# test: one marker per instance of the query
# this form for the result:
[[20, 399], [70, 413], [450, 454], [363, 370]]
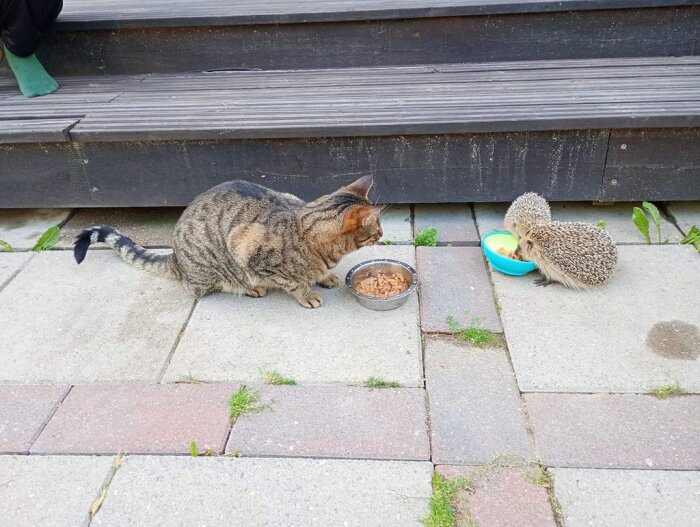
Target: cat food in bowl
[[382, 284], [500, 250]]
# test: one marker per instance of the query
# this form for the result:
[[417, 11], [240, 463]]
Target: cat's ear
[[361, 186], [356, 217]]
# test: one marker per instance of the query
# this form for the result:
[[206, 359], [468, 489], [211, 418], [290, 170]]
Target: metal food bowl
[[381, 265]]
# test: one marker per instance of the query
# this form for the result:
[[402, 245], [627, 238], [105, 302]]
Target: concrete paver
[[611, 498], [10, 263], [618, 219], [475, 409], [454, 222], [339, 422], [234, 338], [139, 419], [607, 339], [50, 491], [100, 321], [21, 228], [686, 213], [185, 491], [616, 431], [396, 224], [454, 282], [24, 409], [501, 497], [149, 227]]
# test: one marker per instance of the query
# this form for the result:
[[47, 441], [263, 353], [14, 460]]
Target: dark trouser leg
[[24, 22]]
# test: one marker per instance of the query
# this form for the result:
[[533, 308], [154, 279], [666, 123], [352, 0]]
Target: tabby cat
[[243, 238]]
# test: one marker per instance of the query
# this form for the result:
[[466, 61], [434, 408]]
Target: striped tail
[[159, 264]]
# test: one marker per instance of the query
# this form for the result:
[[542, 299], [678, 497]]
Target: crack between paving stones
[[49, 417], [104, 488], [165, 367], [12, 276]]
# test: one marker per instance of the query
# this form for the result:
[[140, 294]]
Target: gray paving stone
[[21, 228], [453, 221], [614, 498], [24, 409], [139, 419], [338, 422], [10, 263], [596, 341], [687, 214], [149, 227], [100, 321], [501, 497], [396, 224], [50, 491], [234, 338], [186, 491], [475, 410], [618, 218], [454, 282], [616, 431]]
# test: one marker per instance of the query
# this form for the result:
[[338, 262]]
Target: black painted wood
[[653, 164], [635, 32], [420, 169]]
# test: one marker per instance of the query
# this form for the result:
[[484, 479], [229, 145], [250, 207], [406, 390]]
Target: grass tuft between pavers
[[479, 337], [668, 391], [442, 507], [275, 378], [376, 382], [245, 401]]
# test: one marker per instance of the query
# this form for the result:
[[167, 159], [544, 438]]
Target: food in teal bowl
[[497, 242]]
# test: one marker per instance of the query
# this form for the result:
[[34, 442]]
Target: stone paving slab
[[234, 338], [396, 224], [603, 340], [616, 431], [502, 497], [454, 222], [338, 422], [10, 263], [100, 321], [687, 214], [618, 220], [475, 410], [149, 227], [21, 228], [454, 282], [50, 491], [613, 498], [186, 491], [139, 419], [24, 409]]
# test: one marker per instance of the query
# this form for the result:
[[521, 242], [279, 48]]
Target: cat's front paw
[[330, 281], [312, 300], [256, 292]]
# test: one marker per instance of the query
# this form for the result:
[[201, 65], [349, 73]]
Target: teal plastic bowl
[[504, 240]]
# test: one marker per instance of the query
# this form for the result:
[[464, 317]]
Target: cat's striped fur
[[244, 238]]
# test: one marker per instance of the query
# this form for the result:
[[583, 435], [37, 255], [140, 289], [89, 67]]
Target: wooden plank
[[35, 130], [653, 165], [444, 168], [104, 14], [664, 31]]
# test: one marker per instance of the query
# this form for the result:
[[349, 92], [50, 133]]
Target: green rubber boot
[[31, 75]]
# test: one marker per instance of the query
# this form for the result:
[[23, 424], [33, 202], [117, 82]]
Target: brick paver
[[21, 228], [454, 282], [340, 422], [100, 321], [475, 409], [50, 490], [266, 491], [454, 222], [139, 419], [9, 264], [613, 498], [24, 409], [234, 338], [623, 431], [396, 224], [501, 497], [598, 341]]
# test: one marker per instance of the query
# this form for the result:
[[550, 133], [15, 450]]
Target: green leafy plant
[[442, 507], [480, 337], [640, 219], [245, 401], [693, 237], [426, 238], [375, 382], [669, 390], [388, 242], [655, 216], [6, 246], [48, 239], [193, 449], [602, 224], [273, 377]]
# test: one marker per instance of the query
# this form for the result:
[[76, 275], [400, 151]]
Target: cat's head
[[347, 214]]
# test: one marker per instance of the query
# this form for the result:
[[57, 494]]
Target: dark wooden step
[[171, 36], [456, 132]]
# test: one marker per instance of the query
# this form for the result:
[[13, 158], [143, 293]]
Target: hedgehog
[[574, 254]]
